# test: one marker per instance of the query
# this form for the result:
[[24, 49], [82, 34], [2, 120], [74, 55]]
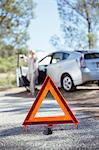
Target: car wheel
[[67, 83]]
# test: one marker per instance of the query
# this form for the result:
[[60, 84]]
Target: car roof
[[87, 51], [62, 51], [71, 52]]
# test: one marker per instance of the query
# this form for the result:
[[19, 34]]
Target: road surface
[[15, 104]]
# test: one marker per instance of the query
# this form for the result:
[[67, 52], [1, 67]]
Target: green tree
[[80, 21], [89, 10], [15, 17]]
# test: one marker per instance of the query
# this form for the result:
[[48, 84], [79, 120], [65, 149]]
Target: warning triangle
[[68, 116]]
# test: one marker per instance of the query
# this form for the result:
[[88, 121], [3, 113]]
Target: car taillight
[[82, 62]]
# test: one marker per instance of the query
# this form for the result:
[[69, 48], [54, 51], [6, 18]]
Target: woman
[[32, 70]]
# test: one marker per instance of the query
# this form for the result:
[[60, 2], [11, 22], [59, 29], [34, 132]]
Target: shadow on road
[[78, 90], [38, 129]]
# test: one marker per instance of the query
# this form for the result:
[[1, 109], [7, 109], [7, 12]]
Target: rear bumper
[[88, 75]]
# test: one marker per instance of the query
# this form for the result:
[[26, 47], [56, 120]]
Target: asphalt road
[[15, 104]]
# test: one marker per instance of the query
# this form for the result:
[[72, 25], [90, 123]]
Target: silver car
[[70, 68]]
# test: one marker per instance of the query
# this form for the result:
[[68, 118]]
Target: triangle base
[[49, 122]]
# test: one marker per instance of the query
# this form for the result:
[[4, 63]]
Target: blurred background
[[44, 25]]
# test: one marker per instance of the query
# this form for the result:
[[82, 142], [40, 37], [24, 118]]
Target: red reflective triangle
[[47, 86]]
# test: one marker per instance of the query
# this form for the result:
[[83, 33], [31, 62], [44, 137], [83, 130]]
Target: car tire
[[67, 83]]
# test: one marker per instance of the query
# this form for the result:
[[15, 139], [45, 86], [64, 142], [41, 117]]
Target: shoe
[[33, 94]]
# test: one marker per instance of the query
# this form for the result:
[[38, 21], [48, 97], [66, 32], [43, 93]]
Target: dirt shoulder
[[13, 90]]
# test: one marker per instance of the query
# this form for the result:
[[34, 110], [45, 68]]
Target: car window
[[65, 56], [91, 56], [45, 61], [57, 57]]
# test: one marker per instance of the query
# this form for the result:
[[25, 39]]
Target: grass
[[7, 64], [7, 80], [7, 72]]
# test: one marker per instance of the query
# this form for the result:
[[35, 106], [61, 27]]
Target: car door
[[42, 69], [53, 70]]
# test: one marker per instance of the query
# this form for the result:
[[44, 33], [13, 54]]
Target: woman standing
[[32, 70]]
